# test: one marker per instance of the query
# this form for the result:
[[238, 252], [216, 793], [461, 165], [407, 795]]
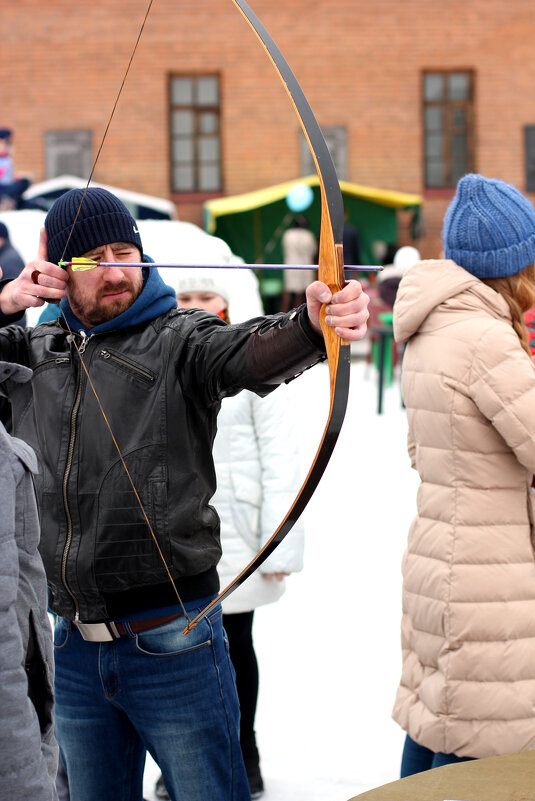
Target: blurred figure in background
[[389, 278], [529, 319], [11, 186], [351, 243], [11, 264], [257, 466], [299, 246]]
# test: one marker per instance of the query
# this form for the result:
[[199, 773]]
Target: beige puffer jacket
[[468, 629]]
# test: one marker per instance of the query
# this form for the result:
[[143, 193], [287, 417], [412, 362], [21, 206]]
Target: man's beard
[[93, 313]]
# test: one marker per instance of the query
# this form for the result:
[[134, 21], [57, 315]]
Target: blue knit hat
[[489, 228], [103, 219]]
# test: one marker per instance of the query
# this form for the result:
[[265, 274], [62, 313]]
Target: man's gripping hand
[[347, 310], [40, 281]]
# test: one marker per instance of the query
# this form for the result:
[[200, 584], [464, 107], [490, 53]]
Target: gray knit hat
[[200, 280], [489, 228], [103, 219]]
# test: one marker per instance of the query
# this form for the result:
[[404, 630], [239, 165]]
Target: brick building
[[410, 94]]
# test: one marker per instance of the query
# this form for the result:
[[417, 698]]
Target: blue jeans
[[160, 691], [417, 758]]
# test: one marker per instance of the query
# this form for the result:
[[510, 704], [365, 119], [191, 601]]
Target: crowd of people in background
[[140, 529]]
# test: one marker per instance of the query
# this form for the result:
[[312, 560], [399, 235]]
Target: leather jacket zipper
[[58, 360], [105, 354], [66, 474]]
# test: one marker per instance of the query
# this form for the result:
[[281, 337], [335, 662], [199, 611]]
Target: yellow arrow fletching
[[79, 263]]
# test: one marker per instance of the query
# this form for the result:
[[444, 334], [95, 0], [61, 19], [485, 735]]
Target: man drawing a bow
[[130, 541]]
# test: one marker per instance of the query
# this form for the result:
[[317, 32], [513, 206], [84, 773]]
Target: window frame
[[336, 140], [195, 193], [447, 129], [75, 145]]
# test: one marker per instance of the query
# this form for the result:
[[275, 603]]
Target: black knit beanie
[[103, 219]]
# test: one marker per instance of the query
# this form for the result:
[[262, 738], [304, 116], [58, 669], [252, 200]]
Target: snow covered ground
[[329, 651]]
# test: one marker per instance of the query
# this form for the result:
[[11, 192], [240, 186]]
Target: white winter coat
[[258, 476]]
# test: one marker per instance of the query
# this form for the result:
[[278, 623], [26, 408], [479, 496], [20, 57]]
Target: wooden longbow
[[331, 272]]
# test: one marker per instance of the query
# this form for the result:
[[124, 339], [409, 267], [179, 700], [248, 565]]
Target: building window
[[336, 140], [529, 153], [195, 134], [448, 112], [68, 153]]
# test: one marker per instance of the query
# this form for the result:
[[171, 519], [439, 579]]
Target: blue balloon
[[299, 197]]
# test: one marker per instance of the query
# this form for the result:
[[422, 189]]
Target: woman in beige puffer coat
[[468, 631]]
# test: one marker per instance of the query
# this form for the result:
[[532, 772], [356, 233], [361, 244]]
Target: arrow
[[80, 264]]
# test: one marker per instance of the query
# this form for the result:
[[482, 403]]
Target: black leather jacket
[[160, 384]]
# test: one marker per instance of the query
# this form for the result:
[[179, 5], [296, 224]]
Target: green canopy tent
[[252, 224]]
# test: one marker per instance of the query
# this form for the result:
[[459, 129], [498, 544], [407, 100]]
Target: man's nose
[[108, 254], [113, 275]]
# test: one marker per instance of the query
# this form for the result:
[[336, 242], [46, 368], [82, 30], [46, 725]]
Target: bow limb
[[331, 272]]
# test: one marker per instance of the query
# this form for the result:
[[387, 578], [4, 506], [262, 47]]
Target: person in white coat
[[257, 466]]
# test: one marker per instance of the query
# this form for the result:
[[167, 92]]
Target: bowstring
[[125, 76], [82, 362]]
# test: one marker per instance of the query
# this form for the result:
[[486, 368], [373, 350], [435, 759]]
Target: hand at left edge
[[346, 310], [275, 576]]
